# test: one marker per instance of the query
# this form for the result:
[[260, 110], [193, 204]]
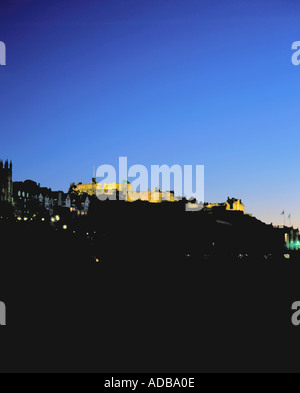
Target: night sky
[[161, 82]]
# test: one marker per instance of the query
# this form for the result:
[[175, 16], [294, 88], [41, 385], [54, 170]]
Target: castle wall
[[154, 196]]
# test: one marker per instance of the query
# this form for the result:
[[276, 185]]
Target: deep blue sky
[[160, 81]]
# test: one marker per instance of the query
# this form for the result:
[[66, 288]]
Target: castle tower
[[6, 184]]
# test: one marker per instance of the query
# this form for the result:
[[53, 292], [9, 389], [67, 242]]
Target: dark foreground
[[148, 305]]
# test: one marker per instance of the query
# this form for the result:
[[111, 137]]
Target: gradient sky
[[161, 82]]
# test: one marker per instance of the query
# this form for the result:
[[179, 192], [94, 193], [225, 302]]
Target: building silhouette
[[6, 184]]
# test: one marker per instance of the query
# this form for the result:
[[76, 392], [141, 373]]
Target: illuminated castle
[[231, 204], [125, 189], [154, 196], [6, 185]]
